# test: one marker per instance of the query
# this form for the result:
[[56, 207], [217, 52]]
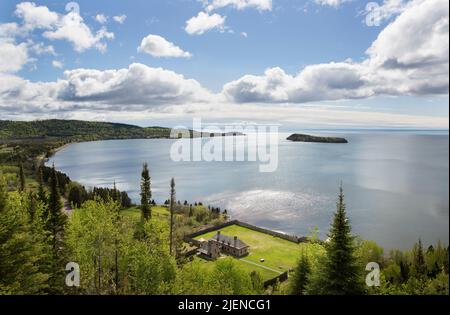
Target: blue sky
[[286, 37], [289, 35]]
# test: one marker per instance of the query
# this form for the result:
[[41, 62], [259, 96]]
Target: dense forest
[[77, 130]]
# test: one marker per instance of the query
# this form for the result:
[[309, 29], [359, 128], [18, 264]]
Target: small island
[[308, 138]]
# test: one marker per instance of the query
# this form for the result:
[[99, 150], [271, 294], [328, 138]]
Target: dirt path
[[67, 208]]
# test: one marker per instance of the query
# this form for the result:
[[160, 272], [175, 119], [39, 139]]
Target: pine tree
[[146, 193], [41, 190], [32, 205], [3, 193], [56, 221], [116, 194], [419, 265], [21, 177], [301, 276], [75, 194], [404, 270], [341, 275], [22, 252], [172, 205]]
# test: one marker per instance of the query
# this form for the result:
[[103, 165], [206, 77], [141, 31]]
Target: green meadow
[[279, 255]]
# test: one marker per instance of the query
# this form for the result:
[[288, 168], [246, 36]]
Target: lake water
[[396, 183]]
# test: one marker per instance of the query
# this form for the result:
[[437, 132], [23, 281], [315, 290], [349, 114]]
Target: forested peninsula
[[296, 137]]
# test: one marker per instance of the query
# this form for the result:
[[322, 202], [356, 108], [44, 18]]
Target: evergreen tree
[[3, 193], [125, 200], [341, 273], [76, 194], [21, 254], [404, 270], [446, 260], [41, 190], [56, 221], [146, 193], [419, 266], [301, 275], [32, 205], [172, 206], [21, 177], [116, 194]]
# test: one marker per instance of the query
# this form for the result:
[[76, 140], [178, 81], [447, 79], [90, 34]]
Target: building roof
[[230, 241]]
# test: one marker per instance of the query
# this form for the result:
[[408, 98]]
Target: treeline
[[77, 130], [77, 195], [45, 173], [198, 213]]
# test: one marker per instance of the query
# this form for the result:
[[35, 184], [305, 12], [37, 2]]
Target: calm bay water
[[396, 183]]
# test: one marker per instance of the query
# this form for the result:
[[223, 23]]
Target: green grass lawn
[[158, 211], [279, 255], [135, 212], [265, 274]]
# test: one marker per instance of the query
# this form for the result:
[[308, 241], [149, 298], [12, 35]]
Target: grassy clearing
[[135, 212], [265, 274], [279, 255]]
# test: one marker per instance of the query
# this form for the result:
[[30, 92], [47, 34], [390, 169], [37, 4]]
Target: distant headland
[[296, 137]]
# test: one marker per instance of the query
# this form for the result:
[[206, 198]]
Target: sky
[[296, 63]]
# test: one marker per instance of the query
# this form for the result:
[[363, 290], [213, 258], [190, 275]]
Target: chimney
[[235, 241], [218, 235]]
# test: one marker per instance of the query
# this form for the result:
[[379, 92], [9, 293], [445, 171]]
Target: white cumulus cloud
[[136, 85], [36, 16], [69, 27], [409, 57], [261, 5], [101, 18], [120, 18], [204, 22], [57, 64], [331, 3], [158, 46], [72, 28], [13, 57]]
